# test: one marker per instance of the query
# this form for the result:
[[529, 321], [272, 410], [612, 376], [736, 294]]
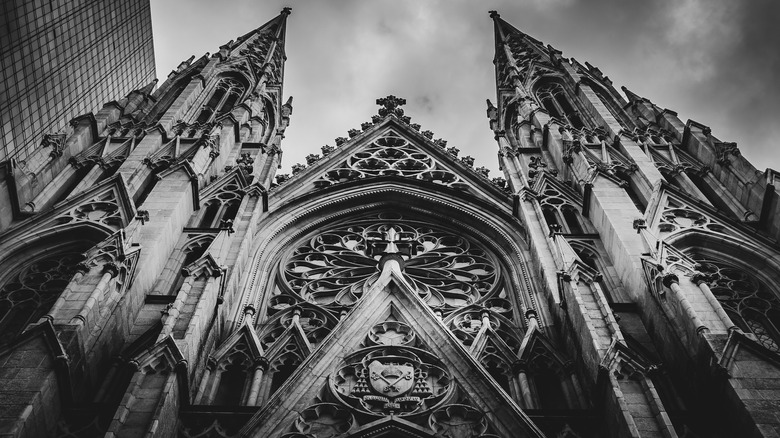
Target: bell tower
[[640, 226]]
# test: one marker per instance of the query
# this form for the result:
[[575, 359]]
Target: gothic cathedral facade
[[620, 279]]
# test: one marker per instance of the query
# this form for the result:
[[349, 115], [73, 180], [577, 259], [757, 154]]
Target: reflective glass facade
[[64, 58]]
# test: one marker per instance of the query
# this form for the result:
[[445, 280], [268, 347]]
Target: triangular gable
[[391, 148], [536, 343], [233, 177], [673, 211], [391, 289], [547, 182], [164, 358], [246, 335], [105, 207]]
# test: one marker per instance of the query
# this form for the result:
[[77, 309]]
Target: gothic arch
[[310, 213], [34, 274], [743, 277], [225, 91], [552, 95]]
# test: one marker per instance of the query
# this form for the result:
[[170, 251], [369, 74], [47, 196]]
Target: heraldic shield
[[391, 378], [382, 380]]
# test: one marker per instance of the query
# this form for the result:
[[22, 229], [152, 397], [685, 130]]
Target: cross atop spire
[[391, 105]]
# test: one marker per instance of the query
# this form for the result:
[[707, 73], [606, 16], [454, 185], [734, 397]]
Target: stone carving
[[747, 301], [323, 420], [33, 289], [678, 216], [57, 143], [391, 380], [391, 155], [327, 149], [391, 105], [335, 267], [460, 421]]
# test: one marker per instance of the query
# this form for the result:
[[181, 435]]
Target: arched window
[[748, 301], [33, 288], [227, 92], [555, 100]]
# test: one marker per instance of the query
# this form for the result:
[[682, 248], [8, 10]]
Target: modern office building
[[619, 279], [65, 58]]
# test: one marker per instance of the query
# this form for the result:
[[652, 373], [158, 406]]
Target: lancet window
[[220, 208], [555, 100], [559, 213], [748, 301], [226, 93], [31, 290]]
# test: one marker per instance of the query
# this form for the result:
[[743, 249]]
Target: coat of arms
[[391, 380]]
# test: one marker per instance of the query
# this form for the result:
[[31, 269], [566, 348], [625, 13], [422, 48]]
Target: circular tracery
[[337, 266], [392, 155]]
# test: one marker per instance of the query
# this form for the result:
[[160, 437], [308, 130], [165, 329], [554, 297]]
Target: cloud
[[713, 60]]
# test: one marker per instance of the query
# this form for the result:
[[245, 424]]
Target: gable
[[389, 148], [416, 381]]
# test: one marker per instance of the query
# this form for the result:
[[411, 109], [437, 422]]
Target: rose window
[[337, 266], [749, 303], [391, 155]]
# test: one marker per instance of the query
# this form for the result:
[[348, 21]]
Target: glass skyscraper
[[64, 58]]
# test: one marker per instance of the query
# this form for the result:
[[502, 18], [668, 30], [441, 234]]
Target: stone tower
[[160, 280], [655, 243]]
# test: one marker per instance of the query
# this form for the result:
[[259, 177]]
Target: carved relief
[[391, 155], [393, 380], [678, 216]]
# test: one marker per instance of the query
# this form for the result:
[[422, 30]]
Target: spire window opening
[[226, 93], [555, 101]]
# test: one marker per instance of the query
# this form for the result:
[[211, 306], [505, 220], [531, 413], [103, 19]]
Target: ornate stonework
[[158, 278]]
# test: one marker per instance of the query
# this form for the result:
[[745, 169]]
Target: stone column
[[701, 280], [519, 368], [110, 270], [204, 381], [671, 281], [254, 399], [81, 270]]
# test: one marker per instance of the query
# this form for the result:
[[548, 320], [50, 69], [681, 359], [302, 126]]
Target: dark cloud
[[712, 61]]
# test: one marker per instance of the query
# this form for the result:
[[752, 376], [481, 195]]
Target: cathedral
[[160, 278]]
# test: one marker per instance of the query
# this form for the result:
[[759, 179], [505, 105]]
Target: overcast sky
[[712, 61]]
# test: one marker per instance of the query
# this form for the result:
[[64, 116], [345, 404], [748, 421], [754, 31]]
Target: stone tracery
[[33, 289], [391, 155], [335, 267], [747, 300]]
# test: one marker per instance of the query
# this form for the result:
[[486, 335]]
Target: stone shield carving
[[385, 380]]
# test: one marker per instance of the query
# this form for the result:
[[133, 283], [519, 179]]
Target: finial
[[391, 105], [494, 14], [286, 10]]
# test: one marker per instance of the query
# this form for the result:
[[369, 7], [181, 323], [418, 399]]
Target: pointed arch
[[35, 270], [549, 380], [552, 96], [227, 91], [744, 278]]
